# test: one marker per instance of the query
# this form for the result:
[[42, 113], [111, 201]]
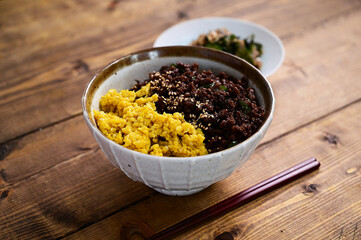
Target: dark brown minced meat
[[225, 108]]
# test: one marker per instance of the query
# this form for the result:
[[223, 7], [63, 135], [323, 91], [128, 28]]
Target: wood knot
[[4, 194], [225, 236], [6, 149], [132, 229], [112, 5], [182, 14], [80, 66], [311, 188], [331, 138]]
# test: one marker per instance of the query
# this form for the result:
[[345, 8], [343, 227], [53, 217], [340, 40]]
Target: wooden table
[[56, 183]]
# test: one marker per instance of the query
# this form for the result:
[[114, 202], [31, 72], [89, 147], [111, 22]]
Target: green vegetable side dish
[[224, 40]]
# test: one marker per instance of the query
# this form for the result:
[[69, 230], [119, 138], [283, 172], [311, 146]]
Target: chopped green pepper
[[232, 143], [223, 88], [180, 68], [208, 85], [244, 106]]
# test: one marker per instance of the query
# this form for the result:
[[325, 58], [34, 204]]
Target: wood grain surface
[[56, 183]]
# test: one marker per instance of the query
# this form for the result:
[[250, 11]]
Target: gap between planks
[[41, 128]]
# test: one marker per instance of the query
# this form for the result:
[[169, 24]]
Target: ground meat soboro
[[225, 108], [130, 119]]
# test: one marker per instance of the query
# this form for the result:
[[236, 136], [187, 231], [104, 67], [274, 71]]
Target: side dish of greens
[[224, 40]]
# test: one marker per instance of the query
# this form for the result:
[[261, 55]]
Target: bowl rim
[[113, 63]]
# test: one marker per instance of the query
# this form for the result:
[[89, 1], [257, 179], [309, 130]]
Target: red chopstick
[[241, 198]]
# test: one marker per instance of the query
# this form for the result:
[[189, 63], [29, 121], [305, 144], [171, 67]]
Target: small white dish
[[186, 32]]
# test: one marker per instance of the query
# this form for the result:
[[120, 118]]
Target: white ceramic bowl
[[185, 33], [175, 175]]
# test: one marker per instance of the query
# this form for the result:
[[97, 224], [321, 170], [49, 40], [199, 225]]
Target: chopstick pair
[[240, 198]]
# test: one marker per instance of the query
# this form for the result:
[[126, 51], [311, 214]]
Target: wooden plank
[[76, 20], [36, 152], [66, 197], [308, 208], [66, 49], [318, 75]]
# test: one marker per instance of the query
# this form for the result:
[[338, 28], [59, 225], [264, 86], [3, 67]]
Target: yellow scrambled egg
[[130, 119]]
